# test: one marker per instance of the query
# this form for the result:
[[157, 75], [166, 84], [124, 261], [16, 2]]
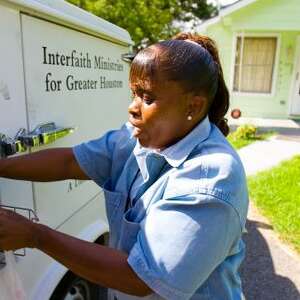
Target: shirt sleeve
[[96, 156], [181, 242]]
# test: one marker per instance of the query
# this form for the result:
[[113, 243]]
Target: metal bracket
[[26, 212], [43, 134], [128, 57]]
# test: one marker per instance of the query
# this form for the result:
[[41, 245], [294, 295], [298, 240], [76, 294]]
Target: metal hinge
[[43, 134], [128, 57]]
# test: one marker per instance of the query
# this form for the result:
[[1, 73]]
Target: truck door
[[72, 79], [13, 114]]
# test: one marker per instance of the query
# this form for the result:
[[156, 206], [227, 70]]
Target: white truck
[[61, 70]]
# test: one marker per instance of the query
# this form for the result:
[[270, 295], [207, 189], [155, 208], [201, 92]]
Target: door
[[12, 102], [295, 100], [72, 79]]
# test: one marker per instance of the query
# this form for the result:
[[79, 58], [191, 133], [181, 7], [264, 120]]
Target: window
[[254, 64]]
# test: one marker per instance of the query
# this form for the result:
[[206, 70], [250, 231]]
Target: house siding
[[265, 17], [268, 15]]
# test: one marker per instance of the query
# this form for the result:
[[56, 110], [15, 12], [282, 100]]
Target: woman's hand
[[99, 264], [16, 231]]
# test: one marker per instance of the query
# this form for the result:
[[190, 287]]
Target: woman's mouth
[[139, 130], [134, 122]]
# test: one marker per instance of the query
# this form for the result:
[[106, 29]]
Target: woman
[[175, 190]]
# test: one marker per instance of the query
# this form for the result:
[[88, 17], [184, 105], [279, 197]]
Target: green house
[[259, 44]]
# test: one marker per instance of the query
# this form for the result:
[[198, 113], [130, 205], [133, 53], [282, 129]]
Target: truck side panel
[[75, 80], [12, 100], [49, 72]]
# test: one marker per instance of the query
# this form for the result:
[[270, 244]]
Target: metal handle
[[128, 57], [9, 146], [53, 135], [43, 134]]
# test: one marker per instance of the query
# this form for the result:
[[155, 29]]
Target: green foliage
[[238, 143], [191, 9], [277, 194], [148, 21], [245, 135], [245, 132]]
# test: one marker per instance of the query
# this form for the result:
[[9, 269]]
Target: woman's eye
[[148, 100], [132, 95]]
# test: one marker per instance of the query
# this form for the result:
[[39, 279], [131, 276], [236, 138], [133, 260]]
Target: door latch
[[43, 134], [10, 146]]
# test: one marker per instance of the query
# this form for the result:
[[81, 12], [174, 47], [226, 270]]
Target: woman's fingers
[[15, 231]]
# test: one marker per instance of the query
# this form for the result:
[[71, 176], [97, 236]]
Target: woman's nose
[[134, 107]]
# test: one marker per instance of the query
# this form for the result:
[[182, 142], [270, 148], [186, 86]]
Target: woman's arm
[[46, 165], [102, 265]]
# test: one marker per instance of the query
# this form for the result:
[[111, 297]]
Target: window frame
[[296, 63], [276, 62]]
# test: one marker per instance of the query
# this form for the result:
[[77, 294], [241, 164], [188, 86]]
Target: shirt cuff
[[84, 163], [138, 263]]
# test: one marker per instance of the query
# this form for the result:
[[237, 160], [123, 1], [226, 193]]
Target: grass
[[276, 193], [238, 143]]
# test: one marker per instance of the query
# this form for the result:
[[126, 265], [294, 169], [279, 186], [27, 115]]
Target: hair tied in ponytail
[[217, 92]]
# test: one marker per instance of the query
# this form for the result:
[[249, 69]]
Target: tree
[[191, 9], [148, 21]]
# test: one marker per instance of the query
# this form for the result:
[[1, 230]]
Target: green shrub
[[245, 132]]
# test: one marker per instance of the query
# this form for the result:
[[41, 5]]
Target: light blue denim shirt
[[182, 229]]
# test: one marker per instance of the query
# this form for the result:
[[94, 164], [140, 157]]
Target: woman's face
[[159, 113]]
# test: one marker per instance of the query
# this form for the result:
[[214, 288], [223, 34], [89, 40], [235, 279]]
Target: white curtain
[[254, 64]]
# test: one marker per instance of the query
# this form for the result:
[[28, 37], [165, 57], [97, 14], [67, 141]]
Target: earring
[[189, 117]]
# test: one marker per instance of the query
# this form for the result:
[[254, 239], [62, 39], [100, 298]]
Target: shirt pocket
[[113, 201], [129, 232]]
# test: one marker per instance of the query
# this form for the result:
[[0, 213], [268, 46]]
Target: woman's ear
[[197, 105]]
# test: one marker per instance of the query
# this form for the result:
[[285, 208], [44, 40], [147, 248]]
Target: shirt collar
[[179, 152], [176, 154]]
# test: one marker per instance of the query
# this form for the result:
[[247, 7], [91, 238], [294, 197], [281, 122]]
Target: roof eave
[[224, 12]]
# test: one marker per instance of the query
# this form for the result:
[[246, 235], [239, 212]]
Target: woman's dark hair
[[196, 66]]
